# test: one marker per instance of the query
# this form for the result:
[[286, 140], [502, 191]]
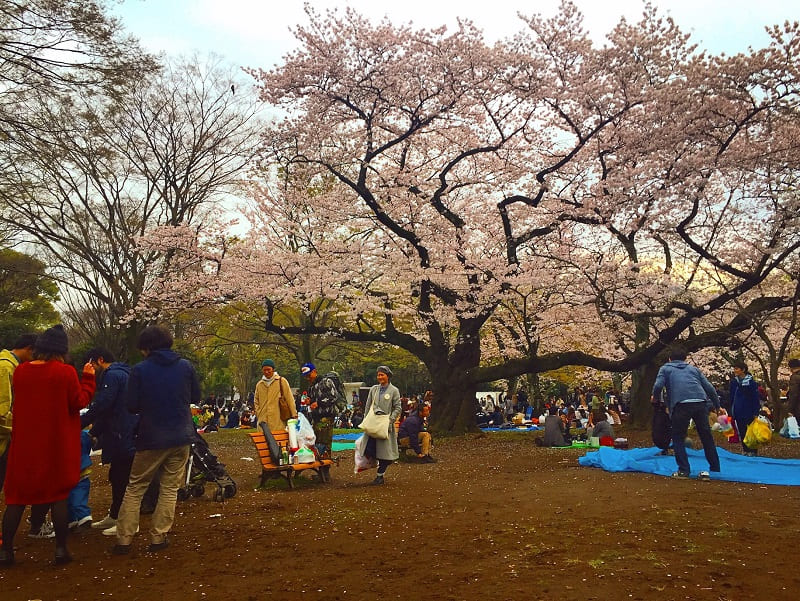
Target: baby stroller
[[203, 467]]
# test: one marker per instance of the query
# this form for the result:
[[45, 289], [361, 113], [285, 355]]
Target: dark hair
[[99, 351], [25, 341], [794, 363], [51, 344], [598, 416], [154, 338], [741, 365], [678, 353]]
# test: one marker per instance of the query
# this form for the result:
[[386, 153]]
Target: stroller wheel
[[230, 490], [198, 490], [183, 494]]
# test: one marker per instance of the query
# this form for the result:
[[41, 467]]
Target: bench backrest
[[280, 436]]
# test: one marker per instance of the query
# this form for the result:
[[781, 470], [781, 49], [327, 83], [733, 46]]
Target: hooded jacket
[[745, 400], [683, 382], [160, 390], [111, 421]]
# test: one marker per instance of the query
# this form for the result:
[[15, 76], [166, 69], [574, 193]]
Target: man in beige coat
[[268, 390]]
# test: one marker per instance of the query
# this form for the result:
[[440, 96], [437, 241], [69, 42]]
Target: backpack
[[662, 427], [341, 398]]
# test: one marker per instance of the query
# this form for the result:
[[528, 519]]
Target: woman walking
[[386, 399]]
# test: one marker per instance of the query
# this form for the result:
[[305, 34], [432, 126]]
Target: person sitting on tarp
[[412, 433], [555, 432], [601, 427], [495, 417], [233, 419]]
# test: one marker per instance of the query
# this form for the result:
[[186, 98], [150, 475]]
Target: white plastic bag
[[305, 433], [363, 463], [790, 428]]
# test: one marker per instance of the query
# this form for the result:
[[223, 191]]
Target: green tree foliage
[[26, 296]]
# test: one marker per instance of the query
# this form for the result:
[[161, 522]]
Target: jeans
[[78, 501], [682, 413], [118, 474], [170, 464]]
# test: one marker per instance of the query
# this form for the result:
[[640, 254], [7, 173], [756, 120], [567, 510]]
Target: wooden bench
[[270, 467]]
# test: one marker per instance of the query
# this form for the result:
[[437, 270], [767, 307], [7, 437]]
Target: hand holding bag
[[375, 425]]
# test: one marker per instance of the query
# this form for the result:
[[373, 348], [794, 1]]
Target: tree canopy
[[426, 182]]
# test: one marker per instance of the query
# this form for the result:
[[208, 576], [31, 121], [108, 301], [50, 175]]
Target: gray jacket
[[388, 402], [683, 382]]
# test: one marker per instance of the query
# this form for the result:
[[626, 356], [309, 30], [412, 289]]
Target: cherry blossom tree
[[424, 183]]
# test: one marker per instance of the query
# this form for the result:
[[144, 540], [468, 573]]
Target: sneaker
[[113, 531], [154, 547], [46, 531], [80, 524], [704, 476], [62, 556], [428, 459], [680, 475], [106, 522], [120, 549], [377, 481]]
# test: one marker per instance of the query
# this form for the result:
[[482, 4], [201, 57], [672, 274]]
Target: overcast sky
[[256, 33]]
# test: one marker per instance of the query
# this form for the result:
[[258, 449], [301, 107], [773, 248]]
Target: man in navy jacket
[[113, 425], [160, 390], [745, 402]]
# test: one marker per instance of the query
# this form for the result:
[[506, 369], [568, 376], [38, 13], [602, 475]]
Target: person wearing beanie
[[383, 398], [44, 459], [269, 391]]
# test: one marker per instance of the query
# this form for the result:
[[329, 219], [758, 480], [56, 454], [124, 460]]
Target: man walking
[[113, 425], [689, 396], [160, 390]]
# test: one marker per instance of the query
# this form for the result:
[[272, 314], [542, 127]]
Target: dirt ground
[[497, 518]]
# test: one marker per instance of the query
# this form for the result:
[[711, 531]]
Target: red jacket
[[44, 459]]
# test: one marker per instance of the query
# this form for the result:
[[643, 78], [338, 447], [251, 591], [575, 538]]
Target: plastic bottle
[[285, 457]]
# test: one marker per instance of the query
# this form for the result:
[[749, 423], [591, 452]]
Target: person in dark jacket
[[113, 426], [745, 402], [412, 433], [160, 390]]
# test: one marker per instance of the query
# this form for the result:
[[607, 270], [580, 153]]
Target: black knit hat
[[52, 341]]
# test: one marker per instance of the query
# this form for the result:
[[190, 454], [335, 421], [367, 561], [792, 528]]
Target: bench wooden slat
[[320, 467]]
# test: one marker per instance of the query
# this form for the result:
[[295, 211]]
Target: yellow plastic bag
[[758, 432]]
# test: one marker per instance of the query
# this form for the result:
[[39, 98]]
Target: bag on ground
[[790, 428]]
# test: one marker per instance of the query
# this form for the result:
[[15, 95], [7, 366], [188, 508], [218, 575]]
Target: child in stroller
[[203, 467]]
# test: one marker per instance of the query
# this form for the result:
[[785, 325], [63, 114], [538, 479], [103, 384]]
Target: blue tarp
[[512, 429], [733, 467], [347, 436]]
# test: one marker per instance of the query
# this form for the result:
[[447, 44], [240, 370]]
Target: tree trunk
[[641, 411], [454, 404]]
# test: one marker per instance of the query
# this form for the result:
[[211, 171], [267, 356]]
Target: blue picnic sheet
[[530, 428], [733, 467]]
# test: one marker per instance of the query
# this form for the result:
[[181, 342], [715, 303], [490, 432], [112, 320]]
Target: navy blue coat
[[745, 400], [160, 390], [112, 423]]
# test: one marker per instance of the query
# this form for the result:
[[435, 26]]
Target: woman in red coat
[[44, 456]]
